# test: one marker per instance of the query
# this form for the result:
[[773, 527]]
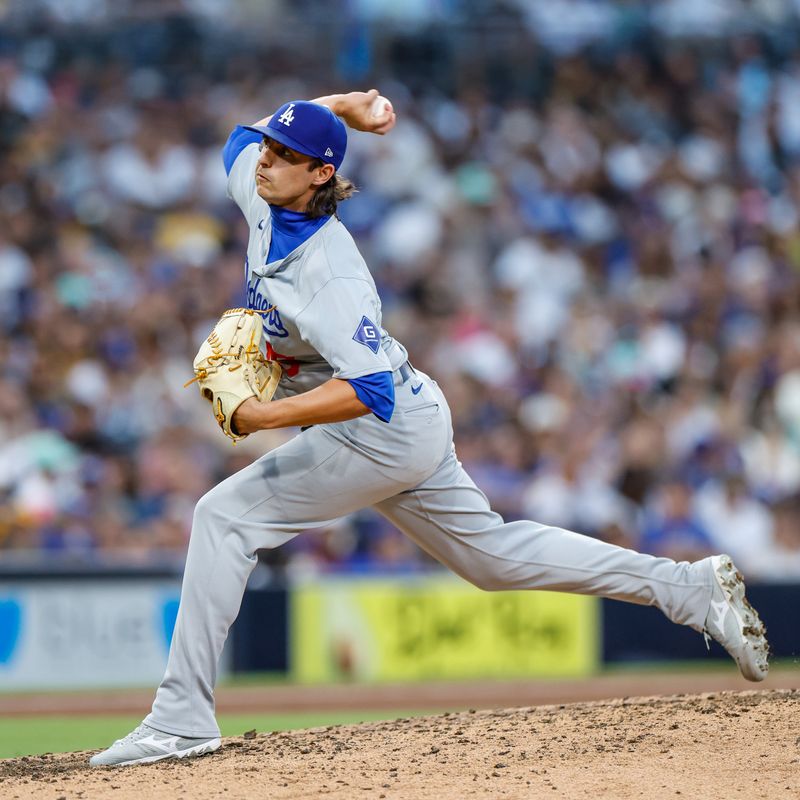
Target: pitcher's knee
[[221, 512], [213, 508]]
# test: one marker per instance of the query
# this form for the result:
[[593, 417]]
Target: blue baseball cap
[[309, 128]]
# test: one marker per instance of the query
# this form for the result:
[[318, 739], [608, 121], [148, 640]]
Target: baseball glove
[[230, 367]]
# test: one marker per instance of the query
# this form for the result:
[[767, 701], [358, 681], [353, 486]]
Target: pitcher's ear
[[324, 174]]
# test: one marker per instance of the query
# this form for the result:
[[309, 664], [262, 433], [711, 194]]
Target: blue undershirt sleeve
[[237, 141], [376, 392]]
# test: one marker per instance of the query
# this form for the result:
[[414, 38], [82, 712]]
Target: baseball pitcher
[[309, 351]]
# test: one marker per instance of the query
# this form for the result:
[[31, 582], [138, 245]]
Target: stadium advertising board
[[71, 635], [438, 628]]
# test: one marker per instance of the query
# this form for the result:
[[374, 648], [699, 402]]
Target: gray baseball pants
[[408, 471]]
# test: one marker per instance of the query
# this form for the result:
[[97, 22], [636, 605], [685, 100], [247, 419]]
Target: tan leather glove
[[230, 367]]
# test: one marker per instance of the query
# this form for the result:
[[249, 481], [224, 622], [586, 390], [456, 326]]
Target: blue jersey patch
[[367, 334]]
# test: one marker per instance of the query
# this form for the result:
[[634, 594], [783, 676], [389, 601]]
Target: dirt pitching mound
[[728, 744]]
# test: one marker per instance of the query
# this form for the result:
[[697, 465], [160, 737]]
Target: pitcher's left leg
[[449, 517]]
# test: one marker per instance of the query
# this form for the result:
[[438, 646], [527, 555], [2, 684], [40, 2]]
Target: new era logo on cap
[[329, 152]]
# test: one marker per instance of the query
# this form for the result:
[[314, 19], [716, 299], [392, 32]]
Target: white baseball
[[379, 105]]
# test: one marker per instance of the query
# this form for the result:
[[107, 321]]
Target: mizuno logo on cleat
[[720, 611], [165, 745]]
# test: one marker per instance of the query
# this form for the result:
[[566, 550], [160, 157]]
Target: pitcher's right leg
[[315, 478]]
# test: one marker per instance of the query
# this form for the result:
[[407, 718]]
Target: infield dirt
[[709, 746]]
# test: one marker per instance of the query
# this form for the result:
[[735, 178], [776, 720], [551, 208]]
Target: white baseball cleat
[[145, 745], [734, 623]]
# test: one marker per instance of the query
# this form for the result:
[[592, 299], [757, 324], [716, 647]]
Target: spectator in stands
[[598, 262], [671, 527]]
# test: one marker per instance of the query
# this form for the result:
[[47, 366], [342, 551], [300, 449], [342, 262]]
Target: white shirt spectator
[[771, 462], [738, 524], [578, 502], [546, 280], [630, 165], [693, 425], [663, 350], [155, 182]]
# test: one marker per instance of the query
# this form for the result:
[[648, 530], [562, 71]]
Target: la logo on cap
[[287, 118]]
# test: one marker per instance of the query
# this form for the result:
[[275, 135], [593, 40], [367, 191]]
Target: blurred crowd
[[595, 251]]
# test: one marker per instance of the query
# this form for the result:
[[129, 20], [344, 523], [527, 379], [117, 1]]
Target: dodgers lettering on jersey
[[327, 320], [257, 299]]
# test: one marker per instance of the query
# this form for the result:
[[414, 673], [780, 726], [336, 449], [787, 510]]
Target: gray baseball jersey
[[407, 470], [326, 317]]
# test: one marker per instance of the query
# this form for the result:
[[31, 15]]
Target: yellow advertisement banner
[[438, 628]]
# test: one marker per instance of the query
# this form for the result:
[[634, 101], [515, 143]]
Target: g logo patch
[[368, 334]]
